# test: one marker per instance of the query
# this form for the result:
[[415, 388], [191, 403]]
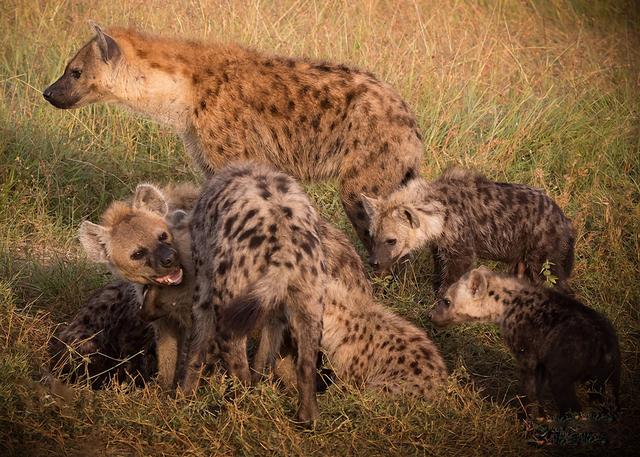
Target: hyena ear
[[409, 214], [176, 217], [478, 282], [370, 205], [95, 240], [149, 197], [109, 49]]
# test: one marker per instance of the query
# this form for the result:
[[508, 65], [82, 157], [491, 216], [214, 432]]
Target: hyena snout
[[440, 314], [166, 256], [374, 262], [58, 95]]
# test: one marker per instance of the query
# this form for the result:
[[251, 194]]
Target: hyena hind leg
[[269, 347], [306, 328]]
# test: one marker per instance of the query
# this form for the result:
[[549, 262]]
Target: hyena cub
[[557, 340], [370, 346], [258, 260], [463, 215], [107, 332], [365, 343], [144, 242], [313, 120]]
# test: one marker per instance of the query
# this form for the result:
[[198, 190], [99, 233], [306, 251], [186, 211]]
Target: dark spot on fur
[[408, 176], [256, 241]]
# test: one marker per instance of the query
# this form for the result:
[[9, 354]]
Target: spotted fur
[[108, 334], [463, 216], [557, 341]]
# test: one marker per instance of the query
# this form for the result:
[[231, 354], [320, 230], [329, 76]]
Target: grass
[[541, 91]]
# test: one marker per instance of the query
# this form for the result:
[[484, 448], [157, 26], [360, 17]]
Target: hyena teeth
[[172, 279]]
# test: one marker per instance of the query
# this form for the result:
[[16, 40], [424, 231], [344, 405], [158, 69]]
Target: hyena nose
[[168, 259], [47, 94], [374, 262]]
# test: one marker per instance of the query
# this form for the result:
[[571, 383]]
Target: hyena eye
[[391, 241], [76, 73], [446, 302], [163, 236], [137, 255]]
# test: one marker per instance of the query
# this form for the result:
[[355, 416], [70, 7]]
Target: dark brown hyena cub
[[109, 335], [258, 260], [557, 340], [463, 215]]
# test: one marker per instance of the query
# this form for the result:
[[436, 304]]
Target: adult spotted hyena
[[463, 215], [109, 335], [556, 340], [258, 260], [313, 120], [141, 241]]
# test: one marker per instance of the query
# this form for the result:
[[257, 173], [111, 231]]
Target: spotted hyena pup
[[108, 333], [313, 120], [258, 263], [463, 215], [557, 340], [142, 241], [370, 346]]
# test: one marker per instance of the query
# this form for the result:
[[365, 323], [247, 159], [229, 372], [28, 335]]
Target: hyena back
[[463, 215], [313, 120], [258, 260], [557, 341]]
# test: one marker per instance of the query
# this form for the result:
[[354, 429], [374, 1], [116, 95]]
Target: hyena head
[[135, 239], [397, 229], [467, 300], [88, 77]]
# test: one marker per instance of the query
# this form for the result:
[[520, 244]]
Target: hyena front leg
[[201, 338], [167, 347], [375, 177], [306, 328], [454, 265]]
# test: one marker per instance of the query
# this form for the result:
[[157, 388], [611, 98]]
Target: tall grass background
[[544, 92]]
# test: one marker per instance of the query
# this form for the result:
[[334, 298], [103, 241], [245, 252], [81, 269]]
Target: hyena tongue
[[172, 279]]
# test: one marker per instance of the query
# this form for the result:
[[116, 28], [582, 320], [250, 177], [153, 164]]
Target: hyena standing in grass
[[557, 340], [258, 260], [313, 120], [141, 241], [463, 215]]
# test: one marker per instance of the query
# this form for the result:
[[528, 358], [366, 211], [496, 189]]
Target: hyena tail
[[245, 312]]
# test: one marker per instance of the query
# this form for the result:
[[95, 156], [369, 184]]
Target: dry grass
[[539, 91]]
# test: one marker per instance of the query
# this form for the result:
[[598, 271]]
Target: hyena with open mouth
[[141, 242]]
